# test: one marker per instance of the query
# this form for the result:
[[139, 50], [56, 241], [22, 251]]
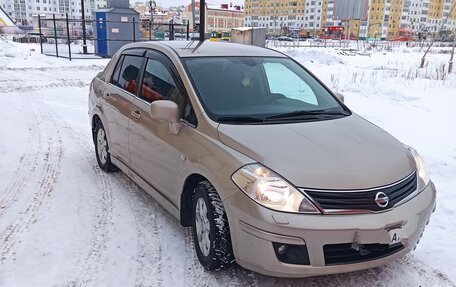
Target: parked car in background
[[180, 35], [266, 164], [31, 37], [285, 38]]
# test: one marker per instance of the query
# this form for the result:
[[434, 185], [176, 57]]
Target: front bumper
[[255, 228]]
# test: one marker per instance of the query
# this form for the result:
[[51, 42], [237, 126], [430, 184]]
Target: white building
[[417, 16], [22, 11]]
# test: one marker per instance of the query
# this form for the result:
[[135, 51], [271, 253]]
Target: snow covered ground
[[63, 222]]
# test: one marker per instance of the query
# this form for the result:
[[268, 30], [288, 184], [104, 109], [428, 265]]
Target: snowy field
[[63, 222]]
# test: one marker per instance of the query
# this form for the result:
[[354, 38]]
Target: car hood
[[345, 153]]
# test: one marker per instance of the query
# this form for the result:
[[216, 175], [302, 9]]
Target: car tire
[[102, 148], [211, 232]]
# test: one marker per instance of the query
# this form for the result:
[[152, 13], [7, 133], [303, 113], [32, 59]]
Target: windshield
[[260, 89]]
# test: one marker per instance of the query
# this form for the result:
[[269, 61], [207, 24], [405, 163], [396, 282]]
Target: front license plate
[[394, 235]]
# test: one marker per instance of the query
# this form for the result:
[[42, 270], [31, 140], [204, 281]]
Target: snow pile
[[12, 50], [312, 56]]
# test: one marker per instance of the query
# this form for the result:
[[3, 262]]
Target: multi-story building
[[418, 14], [22, 11], [188, 14], [399, 19], [221, 18], [388, 19], [439, 11], [286, 17]]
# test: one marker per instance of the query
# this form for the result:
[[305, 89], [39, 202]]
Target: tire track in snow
[[59, 83], [92, 262], [192, 271], [28, 161], [150, 242], [45, 187], [62, 78], [150, 239]]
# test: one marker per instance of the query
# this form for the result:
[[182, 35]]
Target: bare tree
[[450, 65], [435, 38]]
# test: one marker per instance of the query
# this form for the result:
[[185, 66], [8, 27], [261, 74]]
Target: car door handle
[[106, 96], [135, 114]]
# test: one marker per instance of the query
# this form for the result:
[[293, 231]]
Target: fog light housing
[[291, 254]]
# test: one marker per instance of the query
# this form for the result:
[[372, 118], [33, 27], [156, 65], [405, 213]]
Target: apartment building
[[286, 17], [438, 12], [386, 19], [22, 11], [188, 14], [418, 14]]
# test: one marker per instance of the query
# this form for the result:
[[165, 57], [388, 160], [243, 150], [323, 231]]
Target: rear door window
[[115, 75], [129, 73]]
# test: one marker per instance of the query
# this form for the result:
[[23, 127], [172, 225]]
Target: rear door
[[119, 97]]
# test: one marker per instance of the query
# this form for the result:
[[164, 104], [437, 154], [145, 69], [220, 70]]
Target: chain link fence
[[75, 38]]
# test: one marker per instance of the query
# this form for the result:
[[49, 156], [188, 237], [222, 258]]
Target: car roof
[[185, 49]]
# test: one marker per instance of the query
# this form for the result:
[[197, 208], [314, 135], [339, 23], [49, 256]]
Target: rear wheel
[[211, 232], [102, 148]]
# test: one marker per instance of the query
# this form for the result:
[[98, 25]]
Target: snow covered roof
[[234, 8], [247, 28]]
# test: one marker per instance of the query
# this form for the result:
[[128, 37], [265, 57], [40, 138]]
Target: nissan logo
[[381, 199]]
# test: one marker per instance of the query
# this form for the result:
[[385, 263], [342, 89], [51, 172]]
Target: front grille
[[336, 254], [363, 200]]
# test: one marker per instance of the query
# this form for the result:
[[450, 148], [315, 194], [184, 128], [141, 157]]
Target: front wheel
[[211, 232]]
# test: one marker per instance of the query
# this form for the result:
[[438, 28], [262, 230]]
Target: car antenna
[[202, 27]]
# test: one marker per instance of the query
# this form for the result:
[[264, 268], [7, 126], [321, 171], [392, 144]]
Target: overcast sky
[[168, 3]]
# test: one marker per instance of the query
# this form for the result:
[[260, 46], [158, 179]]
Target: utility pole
[[193, 16], [450, 65], [84, 43], [202, 28], [152, 10]]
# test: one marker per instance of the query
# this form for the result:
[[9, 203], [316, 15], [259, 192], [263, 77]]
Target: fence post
[[171, 30], [188, 30], [55, 36], [41, 39], [134, 30], [68, 35]]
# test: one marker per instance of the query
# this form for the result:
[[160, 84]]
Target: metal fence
[[75, 38], [376, 45]]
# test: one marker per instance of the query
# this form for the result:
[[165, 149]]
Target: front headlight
[[270, 190], [421, 168]]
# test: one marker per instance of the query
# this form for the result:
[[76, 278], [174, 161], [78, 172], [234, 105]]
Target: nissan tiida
[[264, 162]]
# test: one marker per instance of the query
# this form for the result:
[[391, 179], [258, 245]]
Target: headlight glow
[[270, 190], [421, 169]]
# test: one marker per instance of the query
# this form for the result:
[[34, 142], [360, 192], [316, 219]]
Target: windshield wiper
[[308, 113], [239, 119]]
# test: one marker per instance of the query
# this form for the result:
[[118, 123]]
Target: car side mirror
[[340, 97], [166, 111]]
